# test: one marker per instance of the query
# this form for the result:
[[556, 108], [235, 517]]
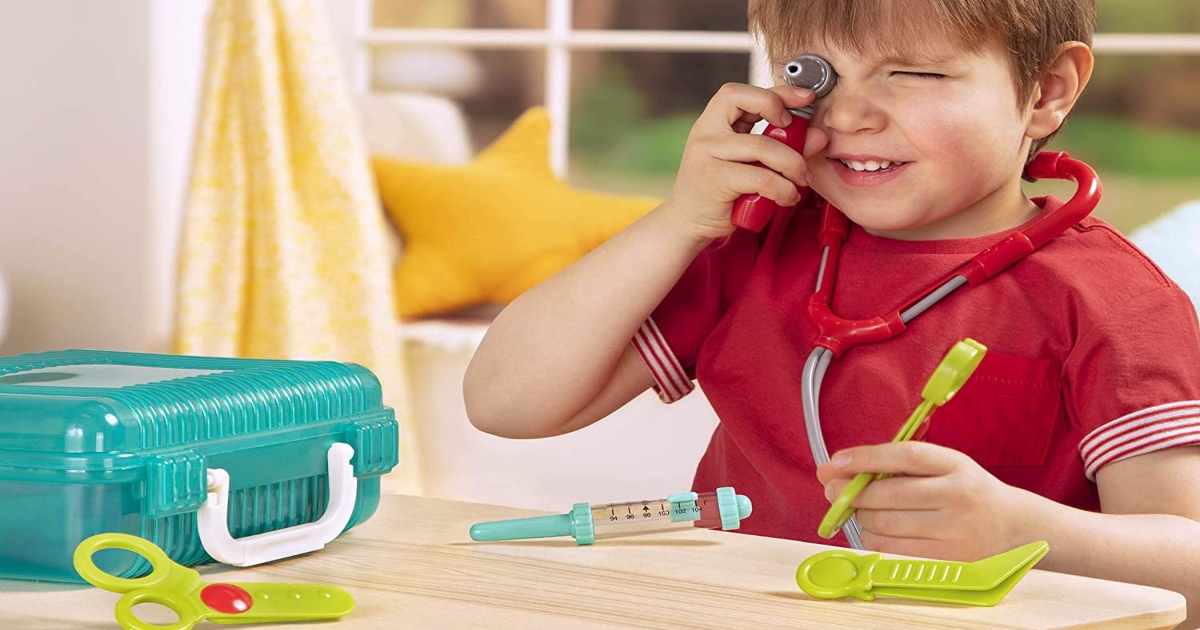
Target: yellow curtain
[[284, 251]]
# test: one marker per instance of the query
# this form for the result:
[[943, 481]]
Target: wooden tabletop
[[413, 566]]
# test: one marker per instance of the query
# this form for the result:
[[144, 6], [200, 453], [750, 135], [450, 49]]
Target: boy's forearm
[[1160, 550], [552, 349]]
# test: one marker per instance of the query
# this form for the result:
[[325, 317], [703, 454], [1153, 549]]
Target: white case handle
[[213, 519]]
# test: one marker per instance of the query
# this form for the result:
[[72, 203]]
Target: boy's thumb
[[814, 142]]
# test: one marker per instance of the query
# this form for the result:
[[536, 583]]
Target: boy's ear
[[1059, 88]]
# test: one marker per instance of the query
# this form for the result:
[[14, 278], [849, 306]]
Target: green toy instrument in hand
[[951, 374], [193, 600]]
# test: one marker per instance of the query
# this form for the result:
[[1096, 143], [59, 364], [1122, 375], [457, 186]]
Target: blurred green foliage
[[604, 110], [1118, 145], [1148, 16]]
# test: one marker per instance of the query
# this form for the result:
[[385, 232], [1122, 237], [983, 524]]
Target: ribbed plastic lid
[[86, 401]]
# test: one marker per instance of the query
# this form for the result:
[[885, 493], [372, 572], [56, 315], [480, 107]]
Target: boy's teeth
[[869, 165]]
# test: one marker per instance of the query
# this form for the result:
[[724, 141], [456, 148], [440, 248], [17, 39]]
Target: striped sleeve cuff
[[671, 380], [1142, 432]]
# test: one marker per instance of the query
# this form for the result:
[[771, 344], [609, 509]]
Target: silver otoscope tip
[[812, 72]]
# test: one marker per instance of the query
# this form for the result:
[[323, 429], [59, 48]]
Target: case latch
[[175, 484], [375, 443]]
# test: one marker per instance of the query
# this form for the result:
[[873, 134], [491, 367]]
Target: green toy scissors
[[193, 600]]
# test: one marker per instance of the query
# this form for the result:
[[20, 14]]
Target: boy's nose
[[847, 110]]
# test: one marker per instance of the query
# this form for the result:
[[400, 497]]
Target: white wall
[[177, 33], [73, 171]]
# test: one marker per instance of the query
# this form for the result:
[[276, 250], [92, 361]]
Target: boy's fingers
[[747, 149], [739, 104], [814, 142], [834, 488], [826, 473], [903, 493], [916, 547], [745, 179], [898, 458], [793, 96], [902, 523], [895, 493]]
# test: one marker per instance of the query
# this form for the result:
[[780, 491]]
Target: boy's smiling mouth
[[871, 165], [864, 171]]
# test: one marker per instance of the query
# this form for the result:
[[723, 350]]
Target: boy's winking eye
[[919, 75], [932, 62]]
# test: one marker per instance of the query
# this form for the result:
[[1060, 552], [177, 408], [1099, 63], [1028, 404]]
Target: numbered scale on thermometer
[[586, 523]]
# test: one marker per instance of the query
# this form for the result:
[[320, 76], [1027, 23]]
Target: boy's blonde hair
[[1030, 30]]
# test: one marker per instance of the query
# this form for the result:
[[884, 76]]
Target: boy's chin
[[892, 221]]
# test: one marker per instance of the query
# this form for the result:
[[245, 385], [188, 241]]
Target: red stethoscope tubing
[[839, 334], [836, 334], [752, 212]]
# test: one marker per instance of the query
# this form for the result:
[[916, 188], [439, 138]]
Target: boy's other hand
[[940, 505], [718, 160]]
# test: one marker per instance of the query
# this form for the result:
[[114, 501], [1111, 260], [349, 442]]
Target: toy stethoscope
[[836, 335]]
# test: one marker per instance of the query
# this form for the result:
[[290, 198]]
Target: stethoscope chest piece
[[812, 72]]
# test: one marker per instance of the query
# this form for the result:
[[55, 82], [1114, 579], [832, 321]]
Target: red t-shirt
[[1093, 356]]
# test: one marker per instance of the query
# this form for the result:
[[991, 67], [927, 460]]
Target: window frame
[[559, 39]]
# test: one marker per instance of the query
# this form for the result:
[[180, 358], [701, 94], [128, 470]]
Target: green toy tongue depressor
[[841, 572], [954, 370]]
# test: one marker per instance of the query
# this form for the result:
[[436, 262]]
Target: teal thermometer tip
[[515, 529]]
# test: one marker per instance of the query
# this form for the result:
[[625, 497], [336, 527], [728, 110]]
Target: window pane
[[492, 87], [1145, 149], [459, 14], [631, 113], [1139, 16], [660, 15]]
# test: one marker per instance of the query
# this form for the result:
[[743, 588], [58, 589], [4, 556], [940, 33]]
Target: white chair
[[646, 449], [1173, 243]]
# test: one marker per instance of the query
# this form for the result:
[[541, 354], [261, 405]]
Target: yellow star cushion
[[487, 231]]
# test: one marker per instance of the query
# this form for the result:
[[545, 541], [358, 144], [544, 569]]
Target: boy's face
[[927, 146]]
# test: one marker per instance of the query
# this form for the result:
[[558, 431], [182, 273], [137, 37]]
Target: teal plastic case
[[94, 442]]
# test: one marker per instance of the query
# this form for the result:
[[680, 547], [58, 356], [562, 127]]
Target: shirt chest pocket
[[1005, 414]]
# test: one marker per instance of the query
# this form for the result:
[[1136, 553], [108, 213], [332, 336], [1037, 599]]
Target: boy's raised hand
[[718, 160], [940, 505]]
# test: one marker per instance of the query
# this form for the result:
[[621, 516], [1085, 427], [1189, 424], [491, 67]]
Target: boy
[[1082, 425]]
